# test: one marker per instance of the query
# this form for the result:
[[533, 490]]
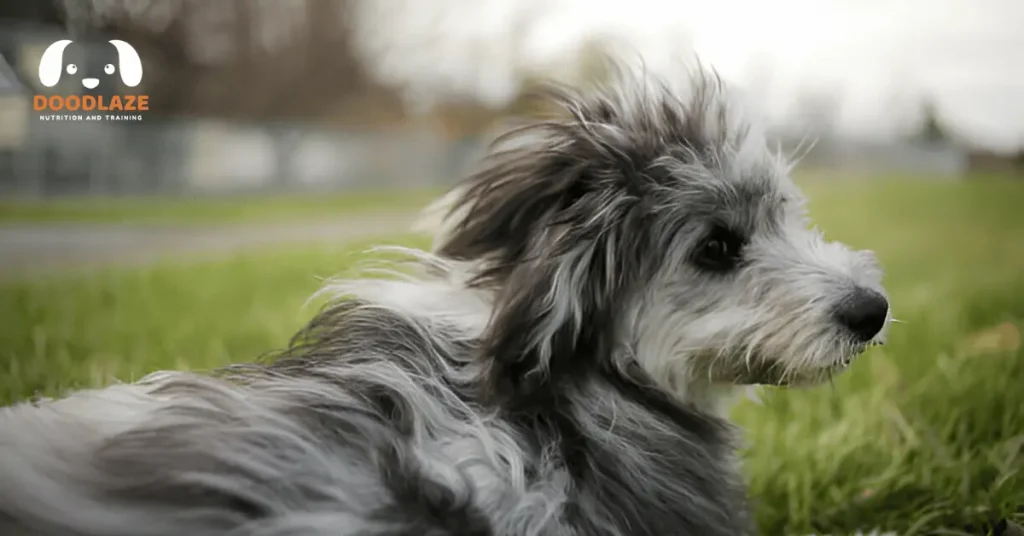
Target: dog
[[560, 363]]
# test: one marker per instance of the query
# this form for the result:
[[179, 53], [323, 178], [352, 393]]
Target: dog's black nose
[[863, 313]]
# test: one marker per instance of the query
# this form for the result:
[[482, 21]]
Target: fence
[[211, 157], [865, 158], [201, 157]]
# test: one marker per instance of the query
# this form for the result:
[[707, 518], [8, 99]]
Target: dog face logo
[[83, 79], [52, 66]]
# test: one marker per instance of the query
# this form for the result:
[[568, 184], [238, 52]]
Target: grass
[[83, 330], [208, 210], [926, 433], [921, 436]]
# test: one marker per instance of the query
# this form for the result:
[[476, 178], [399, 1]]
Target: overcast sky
[[882, 55]]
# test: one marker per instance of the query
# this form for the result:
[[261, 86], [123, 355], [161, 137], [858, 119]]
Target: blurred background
[[284, 136], [299, 95]]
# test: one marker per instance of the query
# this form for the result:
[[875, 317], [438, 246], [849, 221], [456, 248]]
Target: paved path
[[28, 249]]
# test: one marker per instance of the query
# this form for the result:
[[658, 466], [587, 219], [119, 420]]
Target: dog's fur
[[557, 366]]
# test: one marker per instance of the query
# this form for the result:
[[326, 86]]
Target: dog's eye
[[108, 68], [720, 251], [72, 69]]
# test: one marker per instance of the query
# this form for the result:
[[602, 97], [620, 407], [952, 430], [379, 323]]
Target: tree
[[270, 59], [33, 10], [932, 129]]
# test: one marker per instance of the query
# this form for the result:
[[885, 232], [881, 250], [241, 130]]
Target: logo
[[100, 99]]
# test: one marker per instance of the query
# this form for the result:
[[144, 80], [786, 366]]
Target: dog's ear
[[543, 223], [552, 315], [506, 208], [52, 63], [130, 65], [539, 179]]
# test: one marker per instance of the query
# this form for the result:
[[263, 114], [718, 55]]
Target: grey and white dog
[[559, 365]]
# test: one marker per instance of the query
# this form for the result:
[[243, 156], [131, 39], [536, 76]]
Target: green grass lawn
[[922, 435], [207, 210]]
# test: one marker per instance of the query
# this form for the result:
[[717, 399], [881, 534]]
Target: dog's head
[[119, 58], [647, 229]]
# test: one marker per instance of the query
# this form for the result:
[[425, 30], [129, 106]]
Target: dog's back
[[350, 431], [335, 437], [370, 424]]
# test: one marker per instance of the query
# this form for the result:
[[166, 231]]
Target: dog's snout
[[863, 313]]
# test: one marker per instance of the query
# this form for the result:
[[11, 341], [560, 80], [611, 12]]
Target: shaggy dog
[[559, 365]]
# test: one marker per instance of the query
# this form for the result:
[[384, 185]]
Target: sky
[[880, 57]]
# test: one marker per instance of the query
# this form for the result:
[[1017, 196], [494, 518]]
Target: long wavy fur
[[491, 387]]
